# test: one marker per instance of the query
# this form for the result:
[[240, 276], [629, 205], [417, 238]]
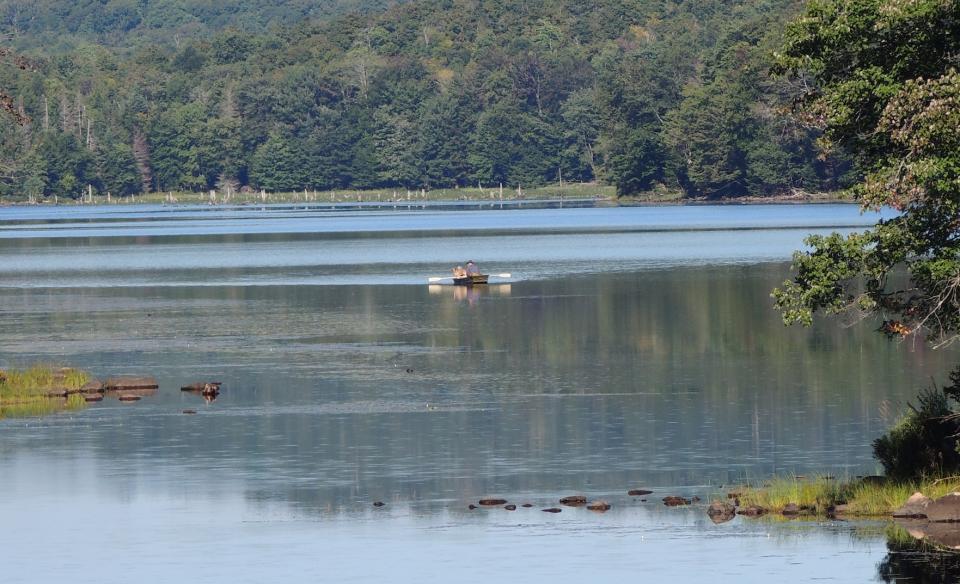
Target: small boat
[[474, 280]]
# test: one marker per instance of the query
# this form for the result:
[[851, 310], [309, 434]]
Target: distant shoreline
[[573, 193]]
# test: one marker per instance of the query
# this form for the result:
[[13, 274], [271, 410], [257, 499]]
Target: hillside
[[58, 25], [643, 94]]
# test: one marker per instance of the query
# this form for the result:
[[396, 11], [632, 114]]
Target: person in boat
[[472, 269], [459, 272]]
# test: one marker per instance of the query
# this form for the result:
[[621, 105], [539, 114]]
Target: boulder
[[675, 501], [752, 511], [599, 506], [574, 501], [639, 492], [492, 502], [915, 507], [946, 509], [721, 511], [790, 510]]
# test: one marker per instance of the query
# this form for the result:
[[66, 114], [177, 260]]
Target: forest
[[651, 96]]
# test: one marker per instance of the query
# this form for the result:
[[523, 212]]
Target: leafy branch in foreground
[[889, 91]]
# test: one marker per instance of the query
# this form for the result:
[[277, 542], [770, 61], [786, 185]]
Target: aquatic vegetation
[[24, 392], [871, 496]]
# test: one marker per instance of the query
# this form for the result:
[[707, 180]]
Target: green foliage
[[887, 90], [428, 94], [923, 442]]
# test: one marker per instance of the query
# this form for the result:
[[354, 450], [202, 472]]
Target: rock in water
[[574, 501], [378, 504], [492, 502], [752, 511], [599, 506], [511, 507], [93, 398], [128, 398], [790, 509], [126, 382], [915, 507], [946, 509], [639, 492], [675, 501], [92, 386], [552, 510], [720, 511]]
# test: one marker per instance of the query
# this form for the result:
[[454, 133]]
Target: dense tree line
[[642, 94]]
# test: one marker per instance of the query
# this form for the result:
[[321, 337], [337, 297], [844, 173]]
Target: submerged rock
[[916, 506], [675, 501], [378, 503], [552, 510], [511, 507], [639, 492], [189, 412], [471, 506], [599, 506], [574, 501], [492, 502], [527, 505], [93, 398], [128, 398], [946, 509]]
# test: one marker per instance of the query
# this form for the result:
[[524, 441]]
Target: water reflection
[[924, 553]]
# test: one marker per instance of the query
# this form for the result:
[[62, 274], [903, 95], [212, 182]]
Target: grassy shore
[[23, 392], [861, 497], [487, 194]]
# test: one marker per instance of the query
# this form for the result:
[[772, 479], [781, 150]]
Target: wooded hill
[[643, 94]]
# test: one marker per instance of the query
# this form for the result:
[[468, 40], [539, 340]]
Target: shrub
[[924, 441]]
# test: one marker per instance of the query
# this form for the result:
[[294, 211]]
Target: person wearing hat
[[472, 269]]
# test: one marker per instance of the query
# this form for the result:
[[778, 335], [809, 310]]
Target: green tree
[[887, 88]]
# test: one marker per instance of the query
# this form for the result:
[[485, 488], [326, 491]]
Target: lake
[[629, 348]]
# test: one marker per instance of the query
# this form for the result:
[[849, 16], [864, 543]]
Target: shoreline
[[600, 195]]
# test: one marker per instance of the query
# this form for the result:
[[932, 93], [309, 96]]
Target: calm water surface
[[629, 348]]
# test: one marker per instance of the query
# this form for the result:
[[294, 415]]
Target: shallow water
[[629, 348]]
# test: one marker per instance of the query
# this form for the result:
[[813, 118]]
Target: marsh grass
[[23, 392], [37, 380], [861, 497]]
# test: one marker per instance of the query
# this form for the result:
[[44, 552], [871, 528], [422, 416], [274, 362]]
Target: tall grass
[[23, 392], [37, 380], [860, 497]]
